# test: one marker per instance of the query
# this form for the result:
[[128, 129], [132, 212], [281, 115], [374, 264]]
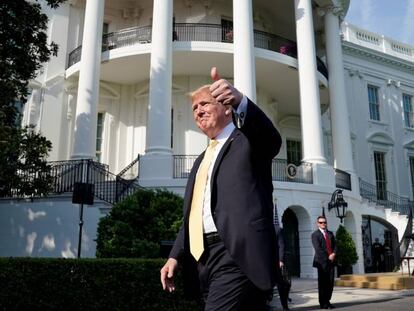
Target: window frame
[[408, 113], [411, 172], [374, 107], [298, 151], [99, 136], [380, 183]]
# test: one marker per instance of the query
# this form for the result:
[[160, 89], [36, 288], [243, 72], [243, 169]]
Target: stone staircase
[[391, 280]]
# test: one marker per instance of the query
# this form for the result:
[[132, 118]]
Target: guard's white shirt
[[208, 221]]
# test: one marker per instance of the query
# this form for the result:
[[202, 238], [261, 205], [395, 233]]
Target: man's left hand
[[223, 91]]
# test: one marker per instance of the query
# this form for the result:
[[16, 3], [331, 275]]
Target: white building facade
[[341, 98]]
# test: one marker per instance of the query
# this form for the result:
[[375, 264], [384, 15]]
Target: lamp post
[[338, 202]]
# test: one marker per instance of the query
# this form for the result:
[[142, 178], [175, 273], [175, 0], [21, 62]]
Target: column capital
[[336, 10], [355, 72], [395, 83]]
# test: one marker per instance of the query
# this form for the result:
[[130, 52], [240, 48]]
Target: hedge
[[87, 284]]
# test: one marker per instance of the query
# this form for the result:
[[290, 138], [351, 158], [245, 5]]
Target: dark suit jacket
[[241, 201], [321, 254]]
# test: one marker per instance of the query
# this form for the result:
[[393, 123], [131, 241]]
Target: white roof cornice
[[355, 49]]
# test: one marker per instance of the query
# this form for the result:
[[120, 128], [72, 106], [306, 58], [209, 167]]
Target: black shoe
[[327, 306], [286, 309]]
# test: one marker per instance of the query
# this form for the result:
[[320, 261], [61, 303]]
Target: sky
[[391, 18]]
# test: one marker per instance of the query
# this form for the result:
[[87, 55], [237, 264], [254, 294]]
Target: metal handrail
[[195, 32], [108, 186], [65, 174], [385, 198], [131, 166]]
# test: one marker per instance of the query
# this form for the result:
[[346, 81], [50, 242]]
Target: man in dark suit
[[236, 263], [283, 285], [324, 244]]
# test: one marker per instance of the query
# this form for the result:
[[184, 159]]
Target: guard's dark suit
[[241, 202], [324, 265], [283, 284]]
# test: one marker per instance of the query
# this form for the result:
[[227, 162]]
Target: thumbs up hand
[[223, 91]]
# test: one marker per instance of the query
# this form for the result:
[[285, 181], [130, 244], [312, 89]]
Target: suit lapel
[[322, 239], [223, 150], [192, 176]]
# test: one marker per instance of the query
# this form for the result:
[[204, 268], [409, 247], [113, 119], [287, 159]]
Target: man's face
[[210, 115], [322, 223]]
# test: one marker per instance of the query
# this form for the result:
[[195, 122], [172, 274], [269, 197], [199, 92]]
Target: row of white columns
[[157, 162]]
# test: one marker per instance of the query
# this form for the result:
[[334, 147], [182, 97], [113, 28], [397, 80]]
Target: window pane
[[380, 175], [99, 132], [408, 111], [294, 151], [373, 103]]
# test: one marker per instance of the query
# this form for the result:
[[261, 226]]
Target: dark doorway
[[226, 30], [380, 245], [291, 235]]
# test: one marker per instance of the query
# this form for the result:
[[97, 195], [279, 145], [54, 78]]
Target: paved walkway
[[304, 295]]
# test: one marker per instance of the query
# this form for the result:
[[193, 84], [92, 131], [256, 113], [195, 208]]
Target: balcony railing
[[386, 198], [343, 179], [184, 163], [303, 173], [195, 32]]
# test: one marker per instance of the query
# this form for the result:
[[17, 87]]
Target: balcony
[[194, 32], [303, 174]]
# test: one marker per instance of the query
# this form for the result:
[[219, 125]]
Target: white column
[[32, 112], [312, 140], [88, 89], [341, 137], [157, 161], [243, 48]]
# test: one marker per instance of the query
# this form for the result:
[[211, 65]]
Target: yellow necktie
[[196, 212]]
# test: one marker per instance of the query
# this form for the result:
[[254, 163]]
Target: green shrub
[[87, 284], [135, 226], [346, 254]]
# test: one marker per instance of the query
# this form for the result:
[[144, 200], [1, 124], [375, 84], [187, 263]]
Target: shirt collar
[[225, 133]]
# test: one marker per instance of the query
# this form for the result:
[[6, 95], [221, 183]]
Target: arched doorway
[[380, 245], [291, 235]]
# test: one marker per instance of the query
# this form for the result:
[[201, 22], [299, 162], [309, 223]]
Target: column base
[[82, 157], [354, 183], [154, 167], [323, 175]]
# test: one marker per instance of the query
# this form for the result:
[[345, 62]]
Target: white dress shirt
[[208, 221]]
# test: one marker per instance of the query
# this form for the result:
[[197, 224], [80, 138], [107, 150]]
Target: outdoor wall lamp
[[338, 203]]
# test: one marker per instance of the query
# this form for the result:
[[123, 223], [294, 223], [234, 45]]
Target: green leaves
[[346, 254], [87, 284], [24, 47], [136, 226], [23, 163], [23, 50]]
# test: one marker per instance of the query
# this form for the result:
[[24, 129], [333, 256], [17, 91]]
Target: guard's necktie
[[196, 212], [328, 242]]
